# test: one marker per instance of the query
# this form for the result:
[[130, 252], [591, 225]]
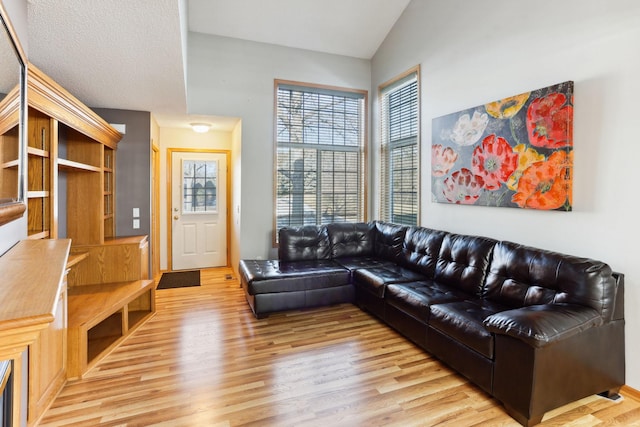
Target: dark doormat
[[179, 279]]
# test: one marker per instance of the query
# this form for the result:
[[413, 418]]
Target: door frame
[[155, 210], [169, 174]]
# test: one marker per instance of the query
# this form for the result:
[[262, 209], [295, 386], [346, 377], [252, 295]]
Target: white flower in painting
[[468, 130]]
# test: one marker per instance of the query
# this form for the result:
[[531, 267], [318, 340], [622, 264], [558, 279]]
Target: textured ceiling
[[127, 54], [111, 54]]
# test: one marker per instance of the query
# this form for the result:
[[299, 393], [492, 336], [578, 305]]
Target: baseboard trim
[[631, 392]]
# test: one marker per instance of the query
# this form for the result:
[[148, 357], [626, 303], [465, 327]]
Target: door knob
[[176, 217]]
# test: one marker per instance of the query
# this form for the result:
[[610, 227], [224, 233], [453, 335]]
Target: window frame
[[361, 148], [384, 145]]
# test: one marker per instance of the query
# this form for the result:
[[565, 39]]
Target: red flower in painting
[[550, 122], [442, 159], [546, 185], [463, 187], [494, 161]]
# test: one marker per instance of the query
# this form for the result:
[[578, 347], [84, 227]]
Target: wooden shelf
[[72, 166], [103, 336], [77, 257], [37, 152], [38, 235], [37, 194], [10, 164]]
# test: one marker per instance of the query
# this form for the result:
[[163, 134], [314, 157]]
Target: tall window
[[400, 154], [320, 139]]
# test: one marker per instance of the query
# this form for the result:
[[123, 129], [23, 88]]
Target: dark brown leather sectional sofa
[[535, 329]]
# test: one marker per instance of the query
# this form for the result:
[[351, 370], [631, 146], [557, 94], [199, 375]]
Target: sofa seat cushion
[[375, 279], [272, 276], [416, 298], [463, 322]]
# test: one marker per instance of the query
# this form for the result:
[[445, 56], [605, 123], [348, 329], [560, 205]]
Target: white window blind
[[400, 157], [320, 138]]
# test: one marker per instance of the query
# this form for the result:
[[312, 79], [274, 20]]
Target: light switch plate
[[136, 212], [136, 223]]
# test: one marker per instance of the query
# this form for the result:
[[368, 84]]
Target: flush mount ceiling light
[[200, 127]]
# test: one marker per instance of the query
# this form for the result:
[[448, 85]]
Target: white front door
[[199, 210]]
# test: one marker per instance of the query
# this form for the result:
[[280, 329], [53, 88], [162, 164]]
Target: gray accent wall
[[133, 169]]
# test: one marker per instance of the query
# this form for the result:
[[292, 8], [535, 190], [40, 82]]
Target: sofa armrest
[[539, 325]]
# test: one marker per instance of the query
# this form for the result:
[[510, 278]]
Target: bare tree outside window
[[199, 186], [319, 165]]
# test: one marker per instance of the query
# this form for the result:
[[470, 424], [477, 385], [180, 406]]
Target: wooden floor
[[204, 360]]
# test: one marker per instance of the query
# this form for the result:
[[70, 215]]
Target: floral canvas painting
[[516, 152]]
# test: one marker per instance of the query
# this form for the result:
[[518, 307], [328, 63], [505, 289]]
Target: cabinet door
[[47, 361]]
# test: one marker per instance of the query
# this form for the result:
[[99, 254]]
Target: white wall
[[476, 52], [231, 77], [182, 138]]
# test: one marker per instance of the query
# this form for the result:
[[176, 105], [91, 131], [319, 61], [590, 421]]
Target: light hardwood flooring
[[204, 360]]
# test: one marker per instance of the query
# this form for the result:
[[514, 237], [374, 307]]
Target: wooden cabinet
[[33, 319], [117, 260], [71, 166], [48, 361], [110, 295]]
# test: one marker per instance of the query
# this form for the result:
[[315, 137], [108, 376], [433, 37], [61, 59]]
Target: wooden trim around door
[[169, 161], [155, 211]]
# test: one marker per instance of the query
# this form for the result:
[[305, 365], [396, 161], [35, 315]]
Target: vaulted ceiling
[[131, 54]]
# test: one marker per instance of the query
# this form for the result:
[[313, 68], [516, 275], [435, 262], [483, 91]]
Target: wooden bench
[[110, 295], [101, 316]]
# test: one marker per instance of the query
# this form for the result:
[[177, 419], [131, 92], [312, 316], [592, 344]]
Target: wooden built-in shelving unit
[[106, 292], [68, 143]]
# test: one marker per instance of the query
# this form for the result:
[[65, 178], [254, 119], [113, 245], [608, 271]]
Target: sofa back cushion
[[310, 242], [389, 238], [522, 276], [351, 239], [463, 262], [420, 249]]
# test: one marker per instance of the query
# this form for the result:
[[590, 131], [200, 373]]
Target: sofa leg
[[522, 419], [612, 394]]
